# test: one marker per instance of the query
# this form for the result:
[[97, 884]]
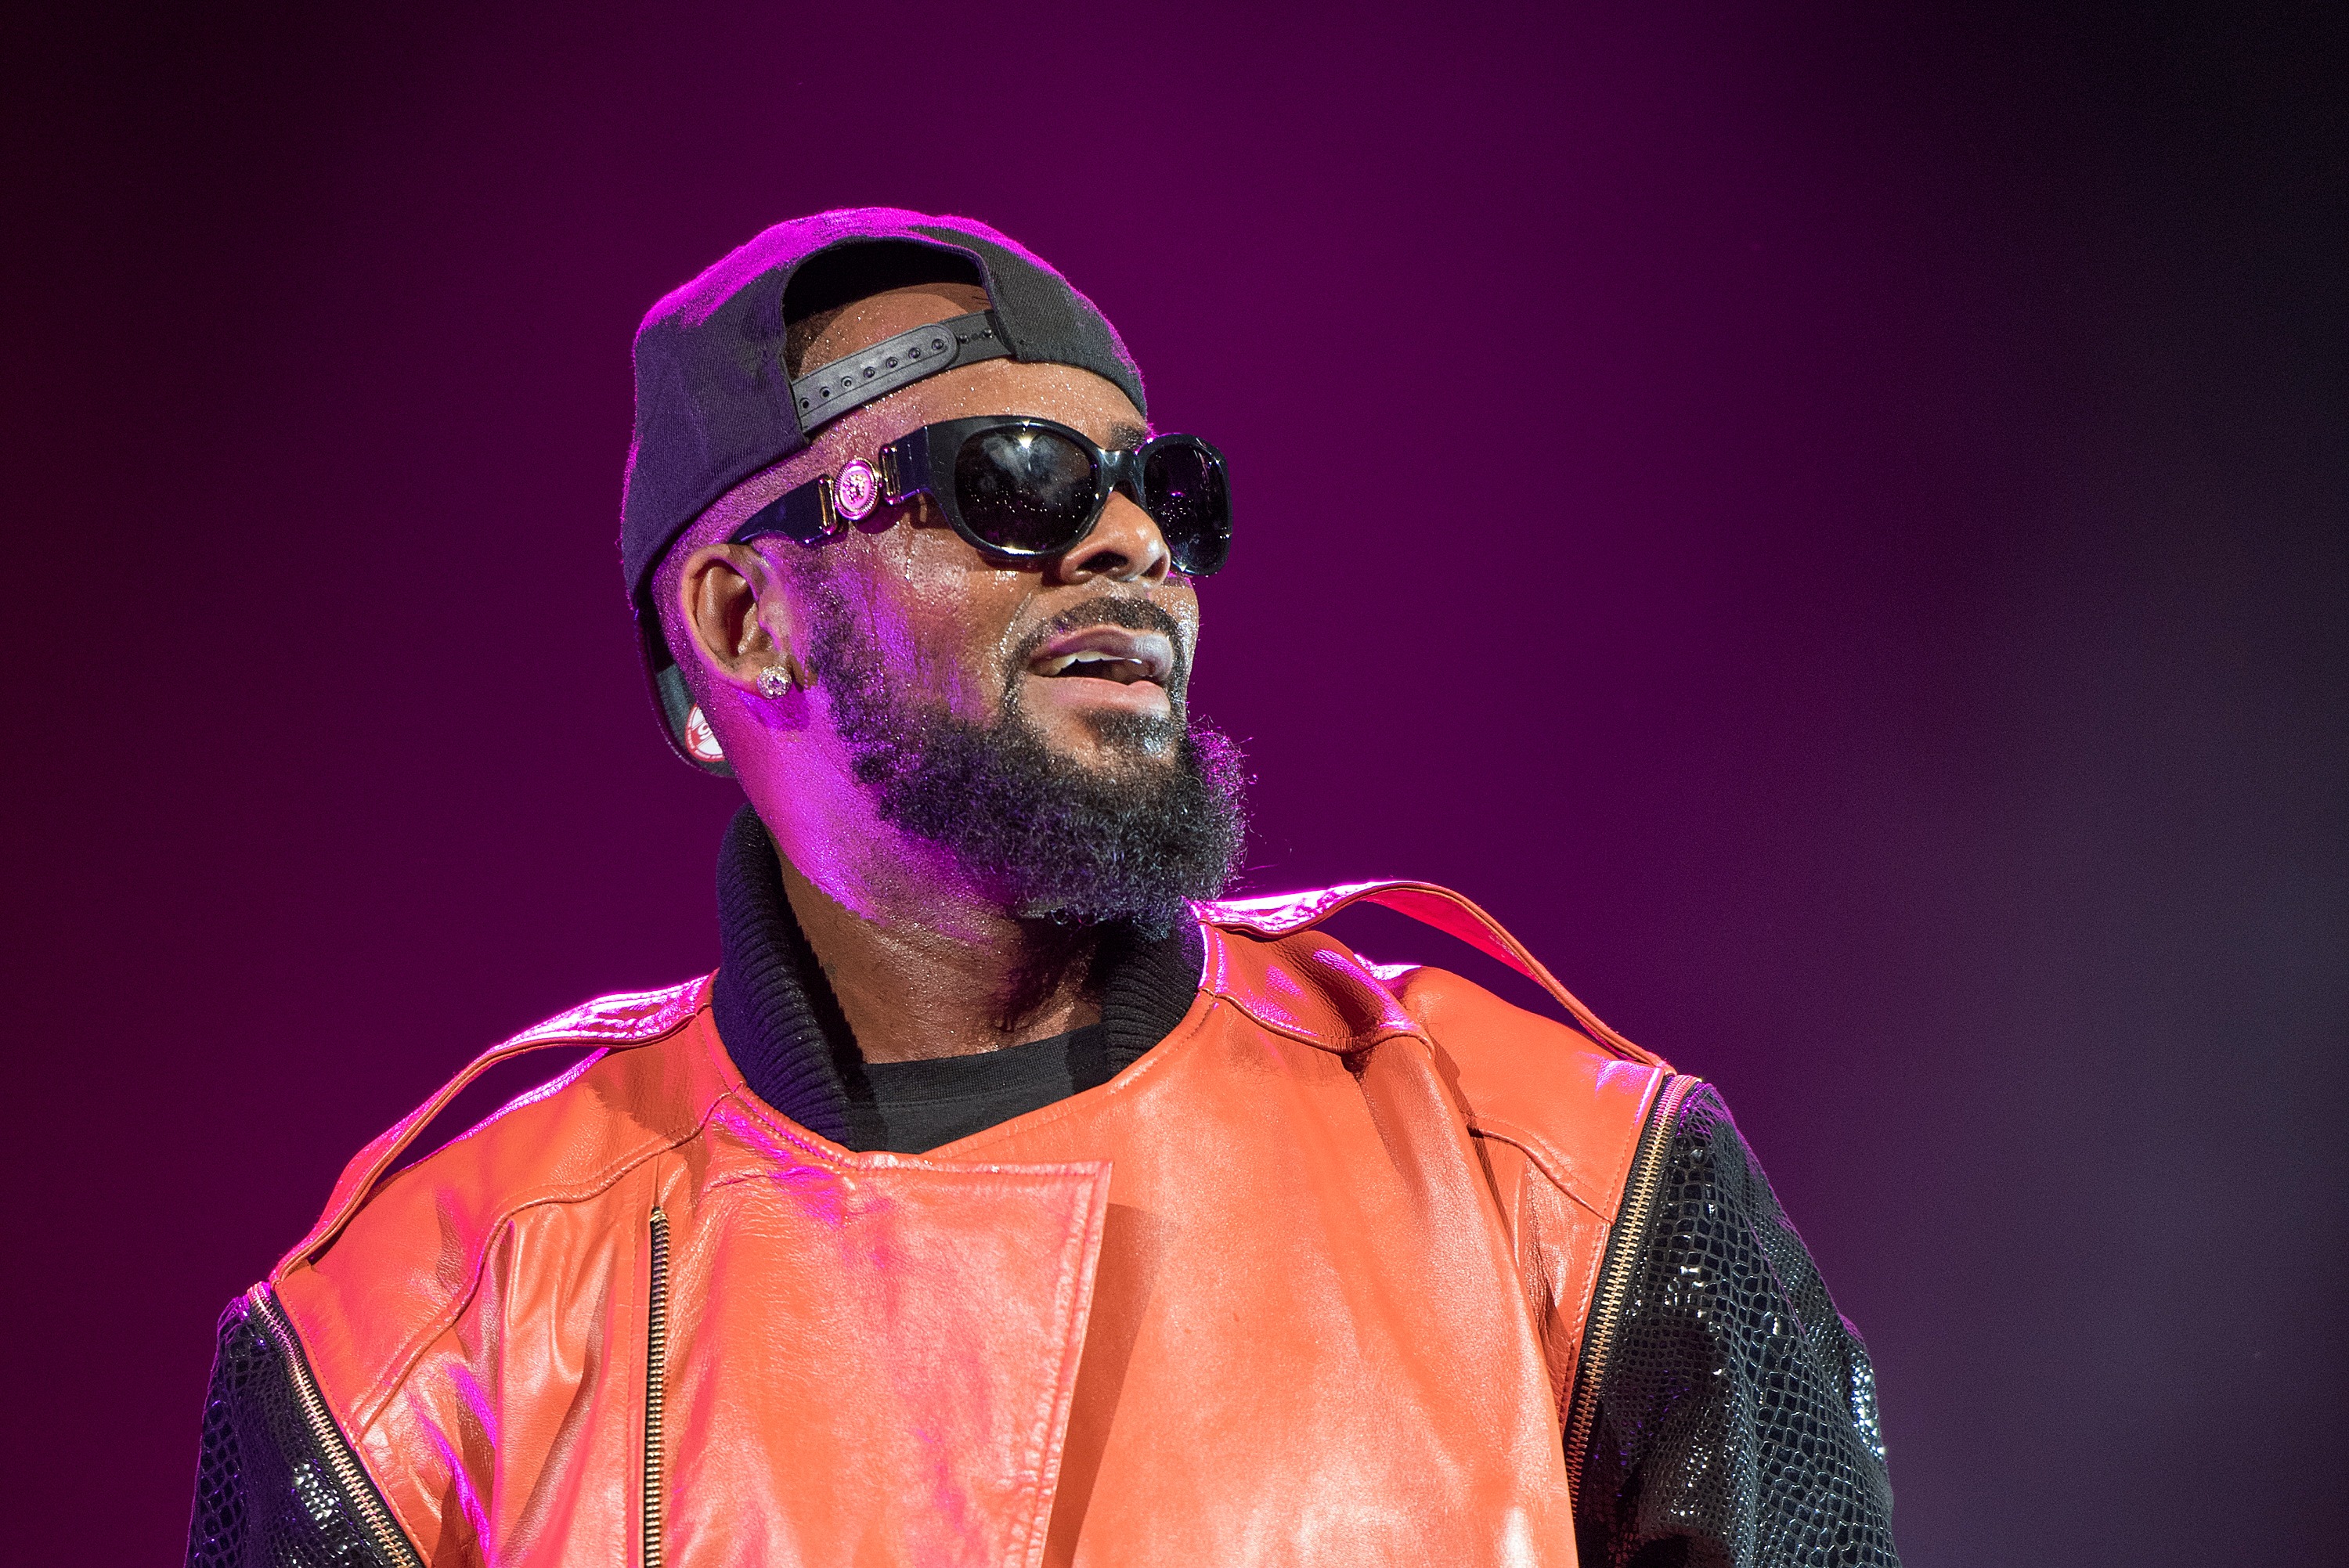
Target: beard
[[1057, 842]]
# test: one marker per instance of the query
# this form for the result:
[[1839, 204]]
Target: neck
[[923, 964], [919, 977]]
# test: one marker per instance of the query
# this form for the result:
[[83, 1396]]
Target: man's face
[[1031, 720], [1093, 649]]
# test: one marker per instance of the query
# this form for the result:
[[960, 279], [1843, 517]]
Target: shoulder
[[1575, 1108], [1573, 1101], [392, 1257]]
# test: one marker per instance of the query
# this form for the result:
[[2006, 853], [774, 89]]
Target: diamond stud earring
[[775, 681]]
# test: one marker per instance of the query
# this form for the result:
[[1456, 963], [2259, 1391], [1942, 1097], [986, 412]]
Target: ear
[[733, 600]]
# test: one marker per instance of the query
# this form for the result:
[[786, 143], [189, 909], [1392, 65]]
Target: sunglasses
[[1020, 490]]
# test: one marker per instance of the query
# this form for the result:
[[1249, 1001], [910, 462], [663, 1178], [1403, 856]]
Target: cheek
[[943, 625], [1181, 600]]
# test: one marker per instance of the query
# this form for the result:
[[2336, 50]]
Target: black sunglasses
[[1020, 490]]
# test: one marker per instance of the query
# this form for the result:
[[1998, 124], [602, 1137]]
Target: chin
[[1126, 738]]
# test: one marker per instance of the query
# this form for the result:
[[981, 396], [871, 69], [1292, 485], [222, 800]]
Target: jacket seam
[[1536, 1148]]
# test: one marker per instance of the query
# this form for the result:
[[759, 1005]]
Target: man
[[1001, 1199]]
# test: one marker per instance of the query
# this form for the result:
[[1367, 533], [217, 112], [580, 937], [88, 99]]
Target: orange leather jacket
[[1312, 1281]]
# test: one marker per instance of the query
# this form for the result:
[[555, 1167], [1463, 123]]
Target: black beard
[[1055, 842]]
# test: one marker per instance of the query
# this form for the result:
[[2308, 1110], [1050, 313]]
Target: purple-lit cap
[[715, 400]]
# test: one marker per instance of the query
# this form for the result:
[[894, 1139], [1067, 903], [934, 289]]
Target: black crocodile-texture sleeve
[[1735, 1424], [266, 1497]]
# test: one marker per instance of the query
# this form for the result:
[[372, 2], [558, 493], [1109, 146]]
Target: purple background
[[1831, 525]]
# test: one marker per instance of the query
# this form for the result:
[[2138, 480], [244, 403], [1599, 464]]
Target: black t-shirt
[[923, 1104]]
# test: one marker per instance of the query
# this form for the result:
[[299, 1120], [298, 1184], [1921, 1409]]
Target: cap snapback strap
[[824, 395]]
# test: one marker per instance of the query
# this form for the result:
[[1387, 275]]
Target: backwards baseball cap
[[716, 401]]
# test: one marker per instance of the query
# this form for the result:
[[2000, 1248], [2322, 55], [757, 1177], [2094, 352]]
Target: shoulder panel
[[1573, 1101], [396, 1260], [617, 1022], [1575, 1108], [1283, 913]]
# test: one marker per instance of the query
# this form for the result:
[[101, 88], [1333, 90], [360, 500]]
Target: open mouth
[[1106, 653]]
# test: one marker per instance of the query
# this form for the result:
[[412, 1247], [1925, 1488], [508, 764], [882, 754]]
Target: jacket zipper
[[656, 1385], [1612, 1293], [351, 1476]]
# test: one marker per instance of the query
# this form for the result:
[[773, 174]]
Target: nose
[[1124, 546]]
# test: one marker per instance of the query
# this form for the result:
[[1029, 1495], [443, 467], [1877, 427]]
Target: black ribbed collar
[[780, 1022]]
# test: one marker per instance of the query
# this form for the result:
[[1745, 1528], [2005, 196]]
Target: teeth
[[1061, 663]]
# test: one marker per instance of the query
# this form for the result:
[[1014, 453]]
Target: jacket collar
[[778, 1021]]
